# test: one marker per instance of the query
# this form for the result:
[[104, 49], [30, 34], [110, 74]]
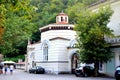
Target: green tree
[[2, 21], [89, 2], [17, 27], [74, 12], [91, 30]]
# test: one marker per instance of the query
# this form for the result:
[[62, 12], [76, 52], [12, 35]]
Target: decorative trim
[[59, 38], [52, 62], [115, 45], [71, 47], [35, 43], [56, 28]]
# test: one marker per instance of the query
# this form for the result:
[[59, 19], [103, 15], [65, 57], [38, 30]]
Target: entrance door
[[74, 62]]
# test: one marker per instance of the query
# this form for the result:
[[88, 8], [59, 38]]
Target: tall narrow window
[[66, 19], [62, 19], [45, 52], [57, 19]]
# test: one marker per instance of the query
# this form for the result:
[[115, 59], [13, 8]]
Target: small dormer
[[62, 18]]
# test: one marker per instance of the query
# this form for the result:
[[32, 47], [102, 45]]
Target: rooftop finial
[[62, 11], [29, 42]]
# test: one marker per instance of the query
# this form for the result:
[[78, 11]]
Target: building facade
[[56, 51]]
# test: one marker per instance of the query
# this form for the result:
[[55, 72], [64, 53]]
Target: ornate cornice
[[56, 27]]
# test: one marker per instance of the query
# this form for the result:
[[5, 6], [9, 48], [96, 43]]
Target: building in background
[[114, 24]]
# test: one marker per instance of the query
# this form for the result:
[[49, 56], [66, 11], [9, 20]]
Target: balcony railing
[[114, 41]]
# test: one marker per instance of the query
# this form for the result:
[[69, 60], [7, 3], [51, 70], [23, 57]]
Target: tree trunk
[[96, 66]]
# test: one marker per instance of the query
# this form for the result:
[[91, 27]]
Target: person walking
[[1, 68], [5, 69], [11, 69]]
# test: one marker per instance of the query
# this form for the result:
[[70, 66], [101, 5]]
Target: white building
[[55, 52]]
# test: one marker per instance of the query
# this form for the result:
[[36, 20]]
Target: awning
[[8, 62]]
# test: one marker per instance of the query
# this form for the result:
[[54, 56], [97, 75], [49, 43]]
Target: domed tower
[[61, 29], [62, 18]]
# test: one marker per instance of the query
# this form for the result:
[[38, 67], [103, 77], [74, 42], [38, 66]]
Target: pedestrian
[[5, 69], [11, 69], [1, 68]]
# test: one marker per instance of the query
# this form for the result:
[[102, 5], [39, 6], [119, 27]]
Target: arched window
[[45, 52], [73, 43]]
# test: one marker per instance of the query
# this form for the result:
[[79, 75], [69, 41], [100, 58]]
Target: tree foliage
[[91, 31], [2, 21], [17, 27]]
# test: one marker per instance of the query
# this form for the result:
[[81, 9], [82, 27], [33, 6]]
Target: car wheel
[[77, 75], [85, 75], [43, 72], [29, 71], [35, 72], [117, 79]]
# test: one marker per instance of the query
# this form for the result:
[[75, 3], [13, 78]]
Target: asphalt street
[[22, 75]]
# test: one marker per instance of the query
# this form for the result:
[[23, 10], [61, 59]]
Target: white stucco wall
[[114, 23], [33, 54], [62, 49], [37, 52], [115, 19], [69, 34], [57, 57]]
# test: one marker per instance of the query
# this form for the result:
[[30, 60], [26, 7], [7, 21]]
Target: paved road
[[21, 75]]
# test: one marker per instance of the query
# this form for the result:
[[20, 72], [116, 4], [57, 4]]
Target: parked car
[[84, 71], [117, 73], [37, 69]]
